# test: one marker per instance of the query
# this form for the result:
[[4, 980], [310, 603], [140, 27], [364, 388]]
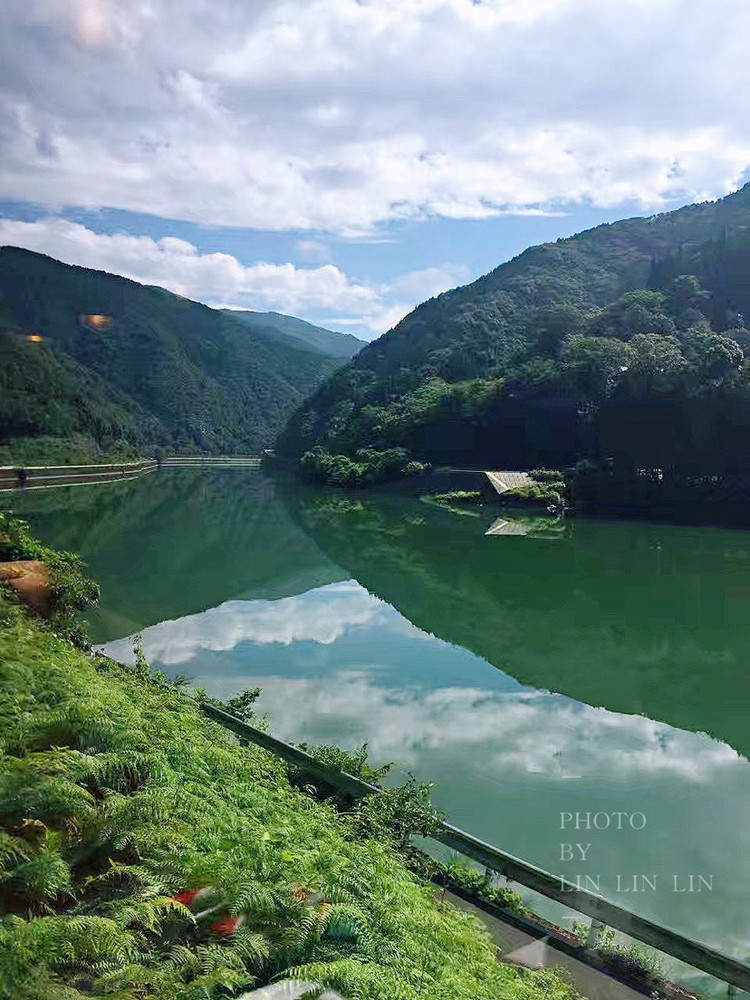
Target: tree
[[716, 359], [593, 366], [657, 364]]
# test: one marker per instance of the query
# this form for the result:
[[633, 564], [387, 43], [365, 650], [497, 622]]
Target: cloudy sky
[[343, 160]]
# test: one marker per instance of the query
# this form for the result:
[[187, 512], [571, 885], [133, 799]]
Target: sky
[[344, 160]]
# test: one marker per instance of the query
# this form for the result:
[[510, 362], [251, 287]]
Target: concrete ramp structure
[[503, 527], [504, 481]]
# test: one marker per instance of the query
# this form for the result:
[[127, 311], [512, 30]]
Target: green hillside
[[297, 331], [625, 343], [130, 365]]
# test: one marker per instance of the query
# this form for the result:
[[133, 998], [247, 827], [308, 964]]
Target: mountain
[[297, 331], [84, 352], [624, 345]]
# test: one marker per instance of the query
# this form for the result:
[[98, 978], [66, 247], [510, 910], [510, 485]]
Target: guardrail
[[602, 912], [199, 461], [42, 476]]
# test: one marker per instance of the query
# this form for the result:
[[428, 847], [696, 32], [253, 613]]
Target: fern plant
[[146, 855]]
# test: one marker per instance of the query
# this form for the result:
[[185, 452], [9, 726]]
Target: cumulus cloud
[[322, 615], [516, 733], [220, 279], [177, 265], [338, 115]]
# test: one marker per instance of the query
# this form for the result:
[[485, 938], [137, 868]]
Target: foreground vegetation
[[146, 854]]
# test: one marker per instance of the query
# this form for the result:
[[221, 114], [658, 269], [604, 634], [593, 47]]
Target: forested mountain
[[625, 345], [297, 331], [84, 352]]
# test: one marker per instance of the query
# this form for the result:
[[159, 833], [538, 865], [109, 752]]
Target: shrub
[[368, 467], [457, 496], [546, 476], [632, 960], [473, 881], [71, 591]]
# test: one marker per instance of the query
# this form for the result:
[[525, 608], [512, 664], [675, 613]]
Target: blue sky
[[343, 160]]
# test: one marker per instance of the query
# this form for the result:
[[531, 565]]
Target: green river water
[[545, 670]]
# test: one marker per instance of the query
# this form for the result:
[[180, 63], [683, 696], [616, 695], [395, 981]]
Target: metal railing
[[42, 476], [603, 913]]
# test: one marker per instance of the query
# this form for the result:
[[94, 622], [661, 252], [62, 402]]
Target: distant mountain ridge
[[130, 364], [626, 342], [299, 331]]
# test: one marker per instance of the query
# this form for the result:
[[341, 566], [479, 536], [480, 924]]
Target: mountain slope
[[299, 332], [155, 368], [537, 361]]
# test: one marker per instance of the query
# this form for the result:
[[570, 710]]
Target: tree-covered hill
[[125, 363], [625, 343], [297, 331]]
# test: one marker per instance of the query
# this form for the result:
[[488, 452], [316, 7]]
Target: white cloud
[[322, 616], [420, 285], [338, 114], [222, 280], [313, 250], [520, 731]]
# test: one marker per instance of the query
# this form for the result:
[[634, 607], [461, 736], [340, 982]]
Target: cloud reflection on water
[[337, 664], [522, 730]]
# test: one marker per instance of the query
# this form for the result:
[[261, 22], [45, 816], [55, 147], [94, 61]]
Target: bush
[[473, 881], [538, 492], [632, 960], [367, 468], [457, 496], [546, 476], [71, 591]]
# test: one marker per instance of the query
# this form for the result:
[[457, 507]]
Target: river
[[544, 673]]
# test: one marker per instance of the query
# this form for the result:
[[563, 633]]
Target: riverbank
[[34, 477], [121, 802]]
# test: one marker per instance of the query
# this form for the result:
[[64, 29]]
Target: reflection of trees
[[179, 542], [636, 618]]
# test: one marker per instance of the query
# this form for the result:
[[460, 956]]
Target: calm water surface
[[544, 668]]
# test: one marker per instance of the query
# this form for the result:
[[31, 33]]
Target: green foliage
[[369, 467], [398, 814], [537, 492], [546, 475], [633, 960], [298, 332], [394, 816], [79, 449], [570, 351], [457, 496], [71, 591], [241, 705], [356, 763], [473, 881], [163, 371], [120, 799]]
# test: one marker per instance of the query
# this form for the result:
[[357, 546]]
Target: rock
[[30, 579]]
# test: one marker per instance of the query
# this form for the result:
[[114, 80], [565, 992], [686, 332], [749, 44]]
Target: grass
[[631, 960], [76, 450], [119, 801]]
